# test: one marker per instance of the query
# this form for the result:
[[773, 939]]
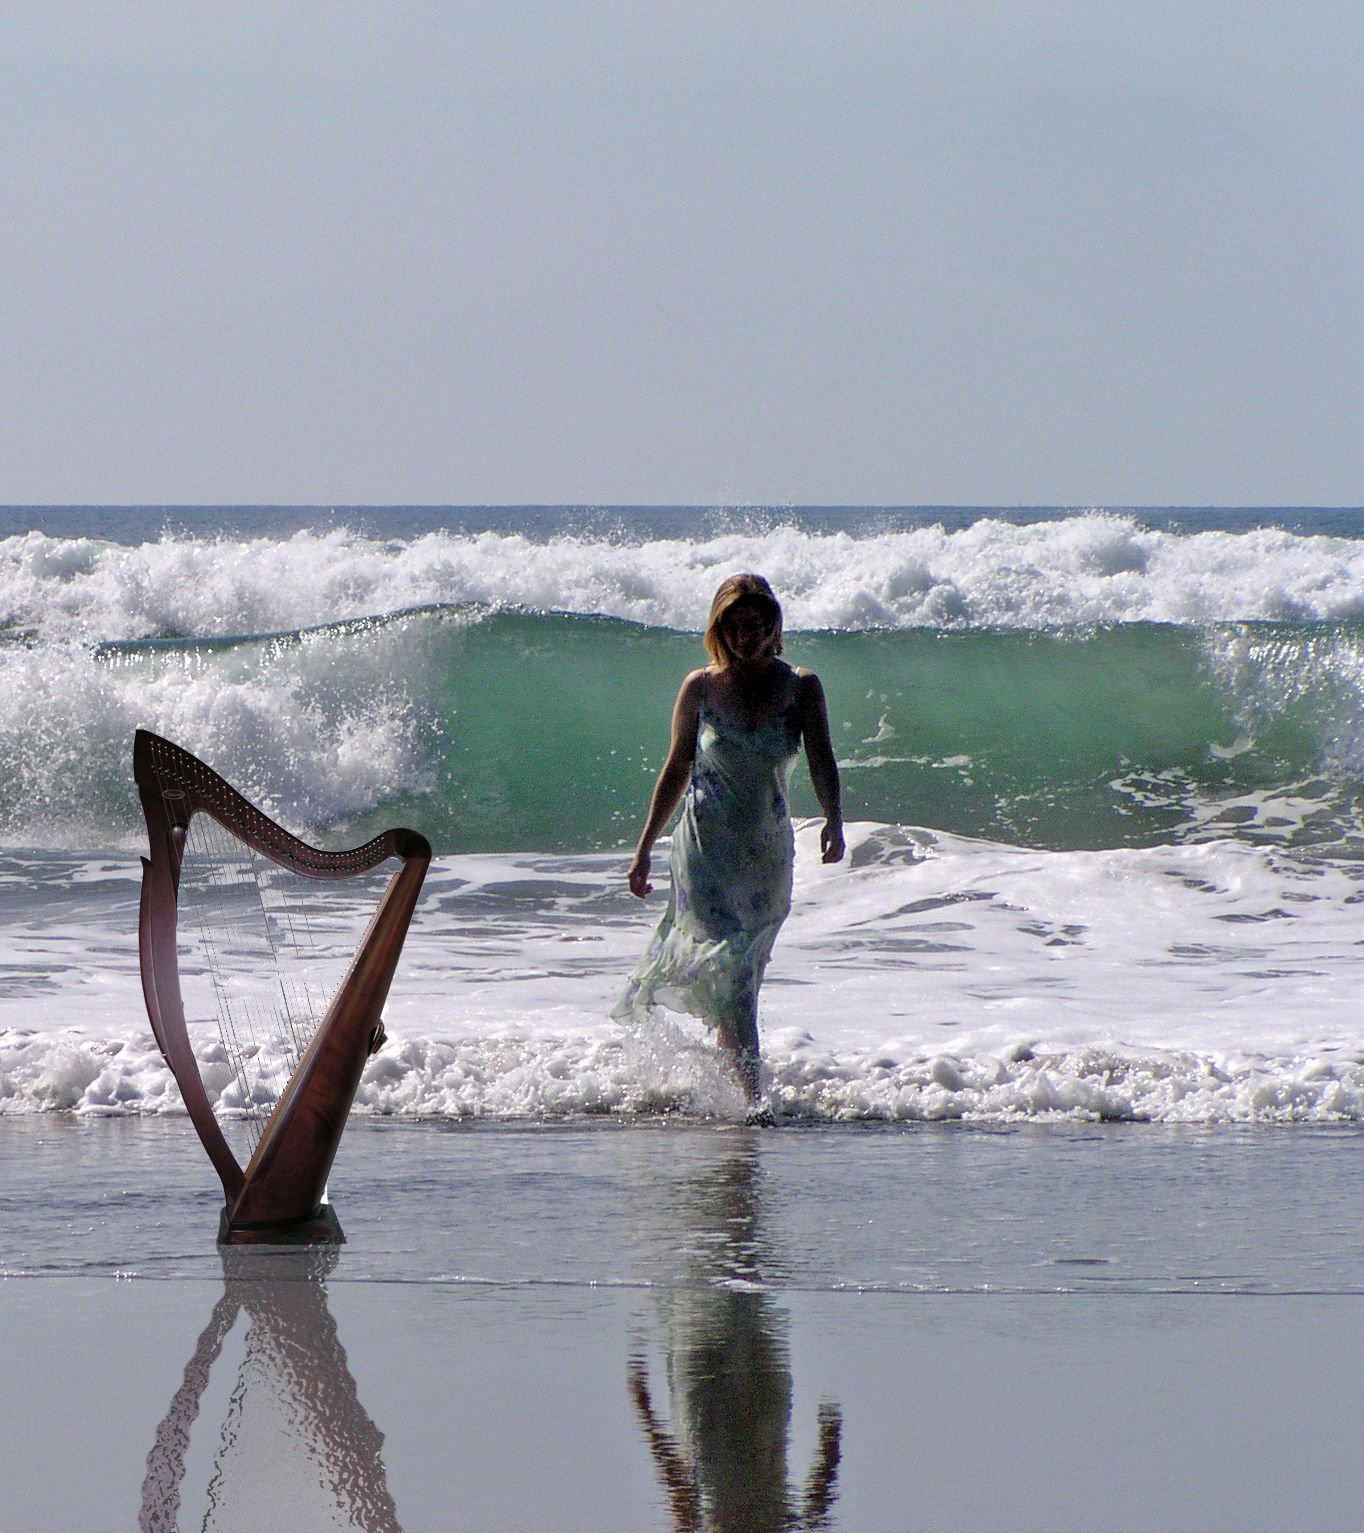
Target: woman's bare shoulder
[[692, 693], [809, 694]]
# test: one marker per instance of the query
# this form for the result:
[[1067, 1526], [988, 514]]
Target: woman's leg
[[737, 1035]]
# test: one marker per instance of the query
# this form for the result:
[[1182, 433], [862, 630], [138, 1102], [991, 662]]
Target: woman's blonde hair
[[740, 591]]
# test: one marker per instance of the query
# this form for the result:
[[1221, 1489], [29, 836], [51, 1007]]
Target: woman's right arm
[[672, 780]]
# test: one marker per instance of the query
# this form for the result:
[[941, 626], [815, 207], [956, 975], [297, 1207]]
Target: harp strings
[[292, 937], [260, 961], [219, 878], [204, 883]]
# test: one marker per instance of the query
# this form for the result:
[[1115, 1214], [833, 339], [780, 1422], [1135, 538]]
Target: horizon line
[[665, 505]]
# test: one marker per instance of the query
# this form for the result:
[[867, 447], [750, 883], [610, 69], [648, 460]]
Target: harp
[[204, 836]]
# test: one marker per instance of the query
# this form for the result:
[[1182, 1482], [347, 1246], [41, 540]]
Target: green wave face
[[509, 730], [549, 730]]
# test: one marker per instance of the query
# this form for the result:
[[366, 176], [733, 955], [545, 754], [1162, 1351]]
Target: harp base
[[320, 1229]]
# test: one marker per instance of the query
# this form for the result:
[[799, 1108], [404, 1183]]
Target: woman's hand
[[638, 876], [831, 841]]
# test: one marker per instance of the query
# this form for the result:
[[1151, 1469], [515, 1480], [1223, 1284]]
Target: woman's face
[[748, 631]]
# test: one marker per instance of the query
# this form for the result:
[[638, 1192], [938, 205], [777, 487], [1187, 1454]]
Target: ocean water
[[1103, 770]]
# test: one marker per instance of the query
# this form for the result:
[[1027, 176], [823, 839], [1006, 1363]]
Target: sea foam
[[929, 978]]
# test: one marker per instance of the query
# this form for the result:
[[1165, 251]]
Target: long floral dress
[[731, 860]]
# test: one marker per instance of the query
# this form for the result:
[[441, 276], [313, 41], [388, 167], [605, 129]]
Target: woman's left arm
[[819, 752]]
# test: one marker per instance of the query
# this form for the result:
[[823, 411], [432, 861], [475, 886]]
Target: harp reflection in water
[[291, 1049], [722, 1461], [297, 1449]]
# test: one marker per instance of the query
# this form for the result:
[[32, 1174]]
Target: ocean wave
[[1096, 568], [313, 728], [500, 729]]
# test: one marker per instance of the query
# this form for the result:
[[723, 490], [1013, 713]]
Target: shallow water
[[575, 1325], [1057, 1209]]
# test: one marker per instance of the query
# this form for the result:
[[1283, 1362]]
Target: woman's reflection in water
[[723, 1463], [297, 1448]]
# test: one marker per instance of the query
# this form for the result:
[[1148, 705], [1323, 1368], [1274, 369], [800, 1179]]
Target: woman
[[737, 725]]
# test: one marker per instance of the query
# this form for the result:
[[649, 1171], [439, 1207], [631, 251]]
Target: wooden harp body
[[278, 1197]]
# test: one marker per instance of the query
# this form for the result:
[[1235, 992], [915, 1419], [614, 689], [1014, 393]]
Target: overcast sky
[[918, 253]]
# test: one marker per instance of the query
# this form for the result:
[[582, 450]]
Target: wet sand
[[660, 1326]]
